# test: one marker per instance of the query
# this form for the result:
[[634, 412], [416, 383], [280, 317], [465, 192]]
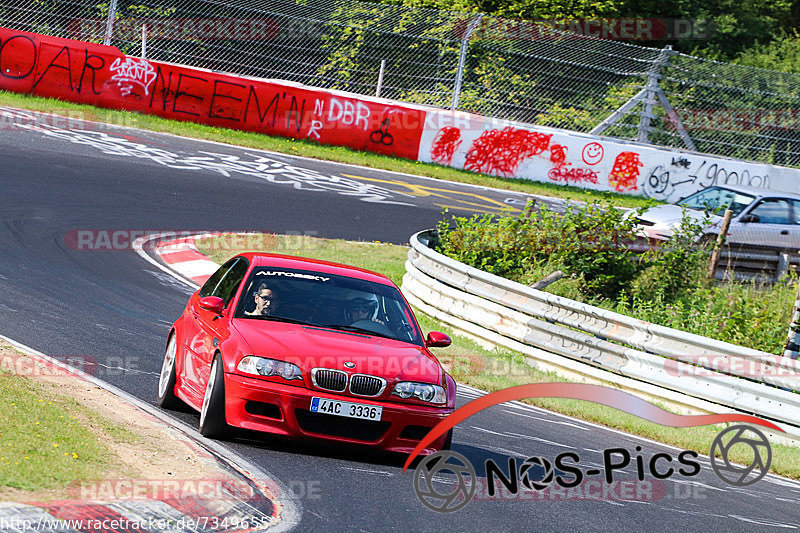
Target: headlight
[[421, 391], [261, 366]]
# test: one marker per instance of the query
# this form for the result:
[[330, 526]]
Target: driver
[[266, 302], [363, 309]]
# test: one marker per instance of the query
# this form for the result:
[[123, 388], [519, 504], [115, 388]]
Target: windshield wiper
[[279, 319], [356, 330]]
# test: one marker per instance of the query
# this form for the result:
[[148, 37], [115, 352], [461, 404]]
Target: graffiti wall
[[103, 76], [508, 149]]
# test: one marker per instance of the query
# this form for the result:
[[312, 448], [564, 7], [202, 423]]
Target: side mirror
[[749, 218], [436, 339], [215, 304]]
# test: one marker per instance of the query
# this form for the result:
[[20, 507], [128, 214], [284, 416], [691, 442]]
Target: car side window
[[796, 210], [209, 286], [773, 211], [233, 278]]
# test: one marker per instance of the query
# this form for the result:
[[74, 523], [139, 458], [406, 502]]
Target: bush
[[667, 285]]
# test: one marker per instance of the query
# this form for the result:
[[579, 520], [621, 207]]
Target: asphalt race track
[[116, 308]]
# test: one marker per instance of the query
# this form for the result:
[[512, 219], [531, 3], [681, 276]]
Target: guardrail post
[[462, 59], [792, 348], [783, 265], [112, 15]]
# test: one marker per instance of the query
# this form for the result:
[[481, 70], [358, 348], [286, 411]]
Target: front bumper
[[250, 403]]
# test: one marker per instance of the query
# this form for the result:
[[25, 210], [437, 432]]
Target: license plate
[[346, 409]]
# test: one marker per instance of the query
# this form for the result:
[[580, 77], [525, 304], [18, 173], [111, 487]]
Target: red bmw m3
[[306, 349]]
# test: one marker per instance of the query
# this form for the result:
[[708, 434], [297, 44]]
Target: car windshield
[[327, 300], [717, 199]]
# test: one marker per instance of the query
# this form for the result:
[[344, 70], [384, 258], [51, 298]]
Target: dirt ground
[[146, 449]]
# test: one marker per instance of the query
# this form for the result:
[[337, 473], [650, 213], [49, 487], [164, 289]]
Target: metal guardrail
[[767, 265], [652, 355]]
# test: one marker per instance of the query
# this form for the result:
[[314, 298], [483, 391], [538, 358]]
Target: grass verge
[[310, 149], [473, 365], [46, 440]]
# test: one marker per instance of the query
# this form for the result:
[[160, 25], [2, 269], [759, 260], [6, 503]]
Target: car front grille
[[333, 380], [364, 385]]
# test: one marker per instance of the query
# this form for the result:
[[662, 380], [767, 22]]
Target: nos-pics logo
[[446, 481]]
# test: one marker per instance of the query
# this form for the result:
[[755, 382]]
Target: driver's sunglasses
[[266, 298], [362, 307]]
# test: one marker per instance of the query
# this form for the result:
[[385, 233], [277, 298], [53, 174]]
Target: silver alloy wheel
[[209, 389], [167, 366]]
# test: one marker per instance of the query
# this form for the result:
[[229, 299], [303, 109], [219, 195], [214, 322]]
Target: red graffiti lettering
[[445, 145], [558, 155], [502, 151], [625, 174], [575, 175]]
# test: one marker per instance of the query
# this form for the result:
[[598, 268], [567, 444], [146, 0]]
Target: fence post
[[462, 58], [144, 41], [112, 15], [380, 79], [723, 232], [651, 91]]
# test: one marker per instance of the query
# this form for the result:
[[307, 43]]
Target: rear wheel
[[212, 414], [166, 380]]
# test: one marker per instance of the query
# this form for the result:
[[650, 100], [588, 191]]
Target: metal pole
[[112, 14], [144, 41], [723, 231], [462, 59], [651, 88], [380, 79], [792, 348]]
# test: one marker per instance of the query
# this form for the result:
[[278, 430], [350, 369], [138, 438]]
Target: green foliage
[[589, 243], [782, 54], [666, 285]]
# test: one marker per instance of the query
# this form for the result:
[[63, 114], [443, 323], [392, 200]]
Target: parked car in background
[[760, 218]]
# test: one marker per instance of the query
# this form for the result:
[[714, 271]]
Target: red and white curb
[[182, 256]]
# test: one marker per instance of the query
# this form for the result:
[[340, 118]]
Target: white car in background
[[760, 217]]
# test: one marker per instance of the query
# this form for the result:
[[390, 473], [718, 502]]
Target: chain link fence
[[518, 70]]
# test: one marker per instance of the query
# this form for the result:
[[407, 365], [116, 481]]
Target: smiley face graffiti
[[592, 153]]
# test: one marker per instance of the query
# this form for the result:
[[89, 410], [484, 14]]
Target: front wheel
[[448, 441], [212, 414], [166, 380]]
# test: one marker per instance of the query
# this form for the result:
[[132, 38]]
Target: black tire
[[212, 413], [448, 441], [166, 380]]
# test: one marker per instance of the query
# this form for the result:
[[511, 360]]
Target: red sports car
[[307, 349]]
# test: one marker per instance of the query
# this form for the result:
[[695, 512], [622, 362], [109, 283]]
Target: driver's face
[[264, 299]]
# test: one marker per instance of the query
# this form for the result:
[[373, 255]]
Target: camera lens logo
[[530, 480], [737, 475], [457, 493]]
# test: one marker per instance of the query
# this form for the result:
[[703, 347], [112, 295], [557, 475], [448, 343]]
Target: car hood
[[312, 347], [668, 215]]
